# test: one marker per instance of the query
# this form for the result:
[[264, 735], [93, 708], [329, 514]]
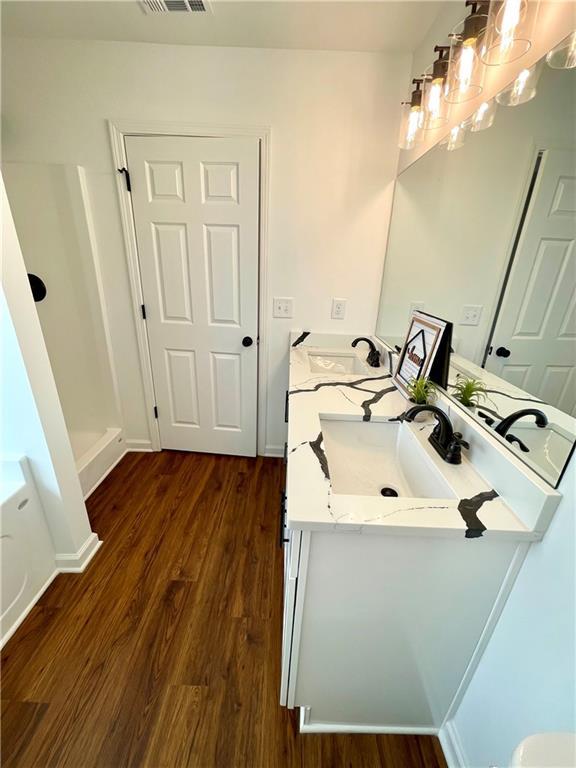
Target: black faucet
[[505, 424], [447, 443], [373, 358]]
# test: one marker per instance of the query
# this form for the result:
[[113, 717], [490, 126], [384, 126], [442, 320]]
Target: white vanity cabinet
[[390, 598], [385, 626]]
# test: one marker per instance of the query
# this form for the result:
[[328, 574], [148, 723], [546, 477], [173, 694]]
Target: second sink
[[339, 363]]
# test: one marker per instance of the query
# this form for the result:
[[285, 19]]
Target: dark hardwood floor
[[165, 652]]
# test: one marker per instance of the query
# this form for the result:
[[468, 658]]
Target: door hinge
[[155, 411], [143, 308], [126, 173]]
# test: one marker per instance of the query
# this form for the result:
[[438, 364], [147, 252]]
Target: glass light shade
[[510, 30], [456, 138], [564, 55], [411, 126], [484, 116], [436, 108], [465, 78], [522, 89]]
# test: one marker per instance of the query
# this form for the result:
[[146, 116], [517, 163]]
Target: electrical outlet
[[471, 314], [283, 307], [338, 309], [416, 305]]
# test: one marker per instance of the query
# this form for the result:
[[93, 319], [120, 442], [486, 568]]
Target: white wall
[[333, 118], [526, 680], [46, 200], [38, 432], [456, 213]]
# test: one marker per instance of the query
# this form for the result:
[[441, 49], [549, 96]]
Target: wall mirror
[[484, 236]]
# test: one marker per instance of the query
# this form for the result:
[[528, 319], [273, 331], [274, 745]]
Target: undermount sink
[[339, 363], [380, 458]]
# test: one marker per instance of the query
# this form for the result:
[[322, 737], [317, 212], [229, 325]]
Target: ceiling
[[380, 25]]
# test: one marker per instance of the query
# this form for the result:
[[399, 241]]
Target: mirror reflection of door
[[534, 341]]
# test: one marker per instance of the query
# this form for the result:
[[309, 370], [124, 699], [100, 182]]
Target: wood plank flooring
[[165, 652]]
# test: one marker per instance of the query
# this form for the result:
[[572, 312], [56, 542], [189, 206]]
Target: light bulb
[[414, 124], [435, 106], [520, 84], [484, 116], [465, 78], [456, 137], [522, 89], [510, 19], [510, 30], [466, 65], [412, 119], [434, 102]]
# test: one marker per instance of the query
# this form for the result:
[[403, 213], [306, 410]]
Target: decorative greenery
[[422, 391], [469, 391]]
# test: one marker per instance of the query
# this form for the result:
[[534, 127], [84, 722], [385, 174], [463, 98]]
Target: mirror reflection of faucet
[[373, 358], [540, 418], [504, 425]]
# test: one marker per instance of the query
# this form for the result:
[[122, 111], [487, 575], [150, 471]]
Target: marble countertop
[[475, 512]]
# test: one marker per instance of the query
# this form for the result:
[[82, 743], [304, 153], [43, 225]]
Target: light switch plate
[[338, 309], [283, 307], [471, 314]]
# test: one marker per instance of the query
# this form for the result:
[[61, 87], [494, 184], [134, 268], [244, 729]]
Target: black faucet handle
[[457, 438]]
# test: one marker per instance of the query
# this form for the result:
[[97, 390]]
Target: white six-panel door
[[195, 203], [537, 320]]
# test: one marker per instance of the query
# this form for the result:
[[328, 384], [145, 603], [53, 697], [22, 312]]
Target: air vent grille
[[175, 6]]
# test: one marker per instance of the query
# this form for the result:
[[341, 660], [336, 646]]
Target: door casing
[[118, 130]]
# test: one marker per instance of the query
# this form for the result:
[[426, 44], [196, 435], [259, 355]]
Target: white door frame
[[118, 130]]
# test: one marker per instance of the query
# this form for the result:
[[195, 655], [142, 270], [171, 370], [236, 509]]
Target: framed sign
[[426, 351]]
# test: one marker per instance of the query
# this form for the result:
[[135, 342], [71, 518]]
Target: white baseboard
[[27, 610], [452, 746], [307, 727], [100, 459], [64, 564], [77, 562], [139, 445], [275, 451]]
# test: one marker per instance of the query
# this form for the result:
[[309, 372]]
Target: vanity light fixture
[[510, 30], [484, 116], [522, 89], [564, 55], [465, 78], [412, 119], [436, 107]]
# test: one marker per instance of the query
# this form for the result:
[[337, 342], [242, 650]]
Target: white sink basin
[[339, 363], [366, 457]]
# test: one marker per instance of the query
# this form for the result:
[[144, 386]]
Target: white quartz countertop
[[476, 510]]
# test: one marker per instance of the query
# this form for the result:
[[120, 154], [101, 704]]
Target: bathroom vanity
[[397, 563]]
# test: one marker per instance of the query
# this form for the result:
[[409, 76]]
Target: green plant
[[469, 391], [422, 391]]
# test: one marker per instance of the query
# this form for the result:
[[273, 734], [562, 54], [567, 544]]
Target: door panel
[[195, 203], [537, 320], [223, 269], [172, 272]]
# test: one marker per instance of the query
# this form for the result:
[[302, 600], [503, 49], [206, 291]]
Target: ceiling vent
[[175, 6]]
